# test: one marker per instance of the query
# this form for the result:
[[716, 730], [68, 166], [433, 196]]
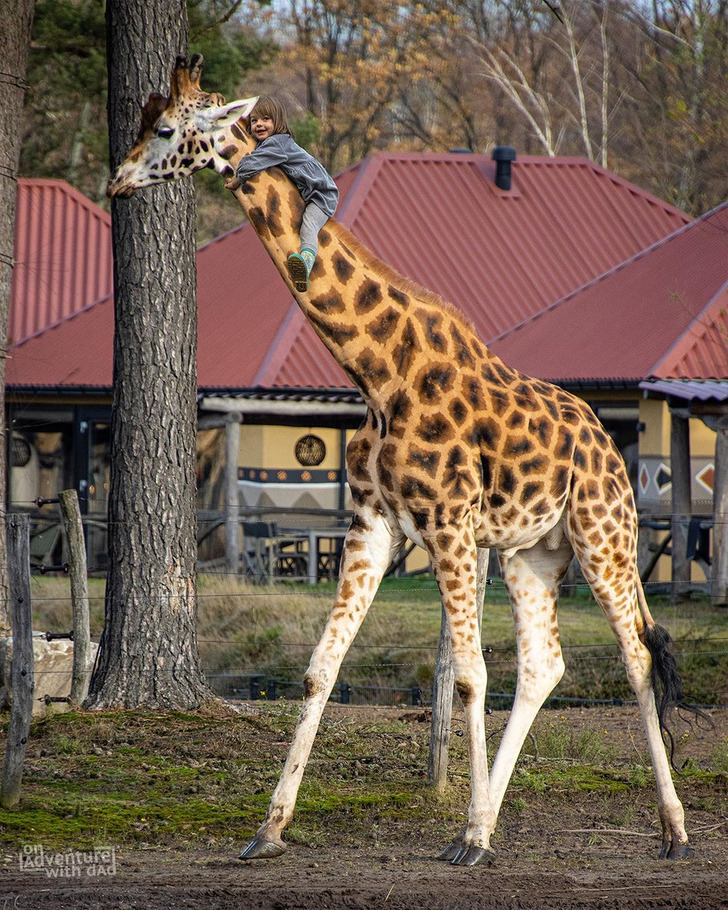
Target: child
[[276, 148]]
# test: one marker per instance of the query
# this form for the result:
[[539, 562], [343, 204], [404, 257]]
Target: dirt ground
[[552, 851]]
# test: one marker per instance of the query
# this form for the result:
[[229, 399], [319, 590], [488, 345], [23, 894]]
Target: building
[[502, 255]]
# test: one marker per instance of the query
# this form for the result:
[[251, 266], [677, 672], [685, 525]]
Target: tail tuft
[[667, 684]]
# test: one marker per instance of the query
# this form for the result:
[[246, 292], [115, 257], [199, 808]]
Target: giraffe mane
[[395, 278]]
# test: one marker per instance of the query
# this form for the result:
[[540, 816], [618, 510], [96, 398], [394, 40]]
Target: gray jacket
[[312, 179]]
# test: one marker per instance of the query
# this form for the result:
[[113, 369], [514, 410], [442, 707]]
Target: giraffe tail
[[646, 615], [665, 678]]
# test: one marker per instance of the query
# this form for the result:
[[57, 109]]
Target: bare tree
[[16, 20], [680, 121], [148, 650], [560, 80]]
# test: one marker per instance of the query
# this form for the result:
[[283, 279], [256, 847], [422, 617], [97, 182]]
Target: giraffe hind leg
[[608, 561]]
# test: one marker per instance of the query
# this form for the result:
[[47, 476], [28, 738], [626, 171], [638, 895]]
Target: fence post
[[21, 677], [73, 529], [719, 584], [232, 501], [254, 687], [681, 504], [442, 689]]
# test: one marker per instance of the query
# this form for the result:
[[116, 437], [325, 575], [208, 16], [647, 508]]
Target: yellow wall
[[702, 439], [655, 439], [655, 442], [274, 446]]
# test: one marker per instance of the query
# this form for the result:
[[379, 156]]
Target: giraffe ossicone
[[457, 451]]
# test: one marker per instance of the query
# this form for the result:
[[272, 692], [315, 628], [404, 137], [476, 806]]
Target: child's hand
[[232, 184]]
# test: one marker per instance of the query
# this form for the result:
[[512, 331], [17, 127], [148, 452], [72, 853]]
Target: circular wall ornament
[[20, 452], [310, 450]]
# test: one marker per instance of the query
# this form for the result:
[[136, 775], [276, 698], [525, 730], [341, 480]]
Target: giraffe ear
[[224, 114]]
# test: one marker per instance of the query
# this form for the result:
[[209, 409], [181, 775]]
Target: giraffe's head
[[180, 134]]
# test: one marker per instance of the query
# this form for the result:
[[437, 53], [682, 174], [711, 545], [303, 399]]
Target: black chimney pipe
[[503, 155]]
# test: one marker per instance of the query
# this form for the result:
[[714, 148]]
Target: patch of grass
[[719, 758], [558, 740], [188, 779], [271, 631]]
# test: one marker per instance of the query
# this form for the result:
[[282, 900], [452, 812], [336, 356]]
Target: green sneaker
[[299, 268]]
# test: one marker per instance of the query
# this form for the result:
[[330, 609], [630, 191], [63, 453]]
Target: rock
[[52, 667]]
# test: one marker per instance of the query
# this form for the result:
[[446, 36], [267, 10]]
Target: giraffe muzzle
[[118, 189]]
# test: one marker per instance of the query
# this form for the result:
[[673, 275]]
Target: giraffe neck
[[375, 323]]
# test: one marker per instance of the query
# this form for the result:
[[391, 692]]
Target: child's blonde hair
[[267, 106]]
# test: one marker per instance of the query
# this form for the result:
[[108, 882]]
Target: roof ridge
[[274, 358], [641, 254], [223, 236], [699, 326], [70, 190], [60, 322], [369, 167]]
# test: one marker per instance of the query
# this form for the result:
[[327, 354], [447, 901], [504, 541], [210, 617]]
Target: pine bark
[[16, 20], [148, 651]]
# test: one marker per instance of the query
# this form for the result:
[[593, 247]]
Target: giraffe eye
[[165, 132]]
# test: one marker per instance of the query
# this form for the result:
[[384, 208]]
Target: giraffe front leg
[[368, 548], [456, 579]]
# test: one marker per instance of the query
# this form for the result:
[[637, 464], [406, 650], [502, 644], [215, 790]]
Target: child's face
[[261, 127]]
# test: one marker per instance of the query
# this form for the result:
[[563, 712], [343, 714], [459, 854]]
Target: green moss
[[185, 779]]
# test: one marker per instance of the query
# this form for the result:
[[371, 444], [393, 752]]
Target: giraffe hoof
[[449, 852], [677, 851], [263, 849], [472, 855], [461, 854]]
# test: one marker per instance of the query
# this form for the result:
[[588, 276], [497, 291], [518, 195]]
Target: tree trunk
[[148, 651], [15, 24]]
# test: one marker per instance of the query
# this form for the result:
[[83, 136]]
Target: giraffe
[[457, 451]]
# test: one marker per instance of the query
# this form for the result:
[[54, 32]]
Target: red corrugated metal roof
[[76, 352], [499, 256], [62, 256], [661, 313], [502, 256], [242, 303]]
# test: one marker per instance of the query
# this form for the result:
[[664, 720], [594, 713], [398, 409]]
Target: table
[[315, 536]]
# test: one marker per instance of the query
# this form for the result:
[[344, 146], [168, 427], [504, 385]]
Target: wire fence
[[372, 682]]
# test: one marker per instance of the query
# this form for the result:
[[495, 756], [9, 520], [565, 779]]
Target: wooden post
[[232, 502], [681, 503], [719, 573], [21, 677], [73, 529], [442, 695], [442, 689]]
